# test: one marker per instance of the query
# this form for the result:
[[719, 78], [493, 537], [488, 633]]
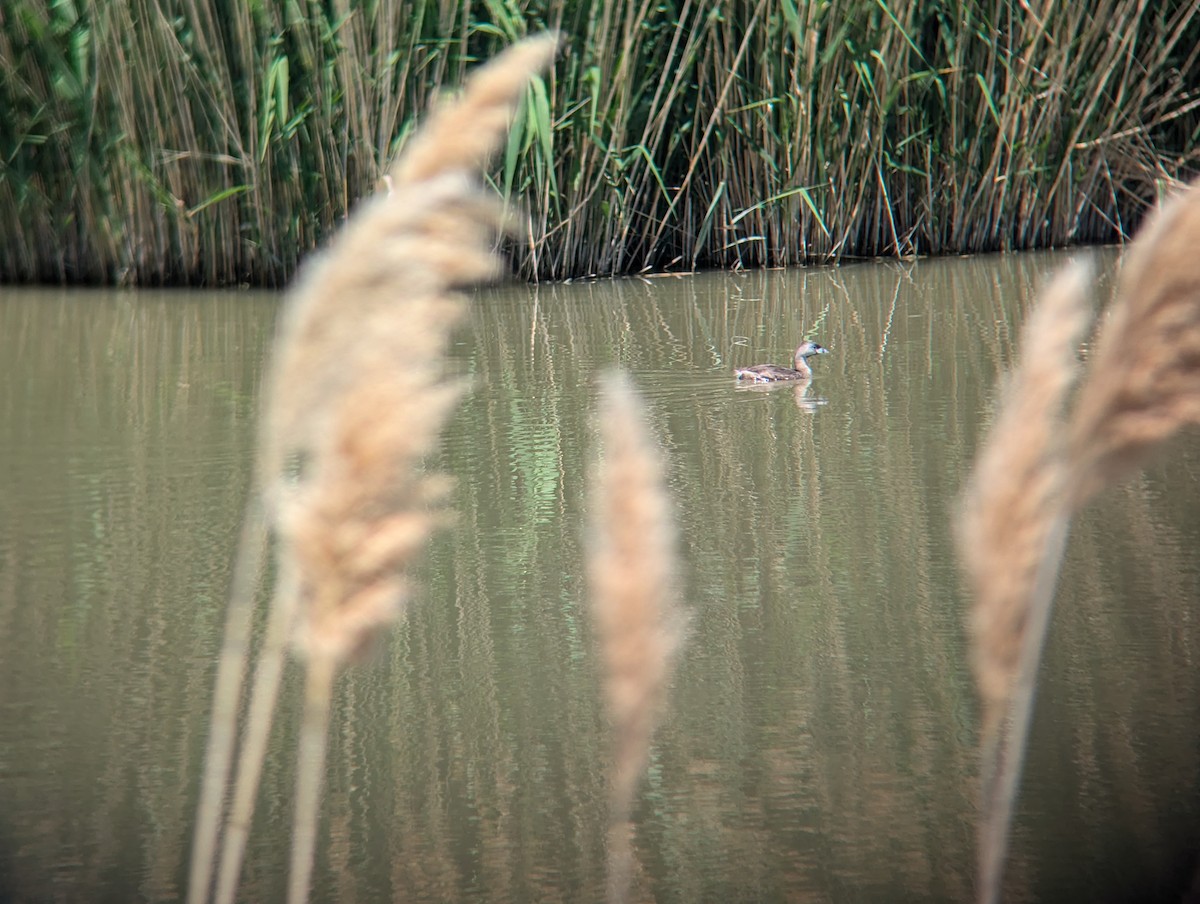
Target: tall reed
[[141, 142], [356, 399], [1011, 534], [1032, 474]]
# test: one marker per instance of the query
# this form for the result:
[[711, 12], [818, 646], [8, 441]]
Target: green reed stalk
[[217, 141]]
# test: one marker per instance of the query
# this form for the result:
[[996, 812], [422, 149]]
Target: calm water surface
[[820, 743]]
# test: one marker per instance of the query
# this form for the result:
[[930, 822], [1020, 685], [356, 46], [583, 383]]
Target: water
[[820, 741]]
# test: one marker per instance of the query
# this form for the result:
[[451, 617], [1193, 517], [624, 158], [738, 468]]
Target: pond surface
[[820, 739]]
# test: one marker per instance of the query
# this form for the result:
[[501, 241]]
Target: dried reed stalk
[[631, 570], [1011, 533], [1143, 385], [231, 669], [1144, 380], [356, 399]]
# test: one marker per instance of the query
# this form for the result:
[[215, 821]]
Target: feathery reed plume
[[356, 398], [1011, 532], [1014, 492], [1143, 384], [631, 570], [1144, 380]]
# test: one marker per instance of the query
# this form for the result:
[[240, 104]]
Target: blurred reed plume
[[1144, 381], [1033, 472], [1015, 491], [1010, 534], [631, 569], [356, 398]]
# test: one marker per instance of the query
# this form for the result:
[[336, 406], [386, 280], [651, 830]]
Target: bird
[[770, 373]]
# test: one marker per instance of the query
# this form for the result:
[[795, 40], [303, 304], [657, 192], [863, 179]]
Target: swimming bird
[[770, 373]]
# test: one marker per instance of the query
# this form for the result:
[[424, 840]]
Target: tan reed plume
[[1144, 380], [1011, 534], [1014, 493], [357, 397], [631, 569], [1143, 384]]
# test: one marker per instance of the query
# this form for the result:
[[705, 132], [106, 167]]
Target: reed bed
[[1036, 470], [144, 142]]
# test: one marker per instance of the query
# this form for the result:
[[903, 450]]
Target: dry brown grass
[[631, 569], [356, 399]]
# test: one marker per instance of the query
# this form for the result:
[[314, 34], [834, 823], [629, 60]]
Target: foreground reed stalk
[[356, 399], [231, 669], [1034, 472], [634, 605], [1011, 535]]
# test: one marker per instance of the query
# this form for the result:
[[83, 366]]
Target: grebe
[[769, 373]]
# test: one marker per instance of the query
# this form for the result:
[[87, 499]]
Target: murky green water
[[820, 743]]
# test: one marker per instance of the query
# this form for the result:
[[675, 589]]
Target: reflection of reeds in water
[[356, 400], [631, 570], [1143, 384]]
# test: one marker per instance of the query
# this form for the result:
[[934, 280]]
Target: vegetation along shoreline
[[219, 145]]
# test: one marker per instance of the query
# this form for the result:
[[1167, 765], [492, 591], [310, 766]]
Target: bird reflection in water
[[799, 388]]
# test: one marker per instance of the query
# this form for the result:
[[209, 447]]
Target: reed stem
[[231, 670], [268, 674], [318, 691]]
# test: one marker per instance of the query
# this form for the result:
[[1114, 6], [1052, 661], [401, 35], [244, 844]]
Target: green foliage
[[219, 141]]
